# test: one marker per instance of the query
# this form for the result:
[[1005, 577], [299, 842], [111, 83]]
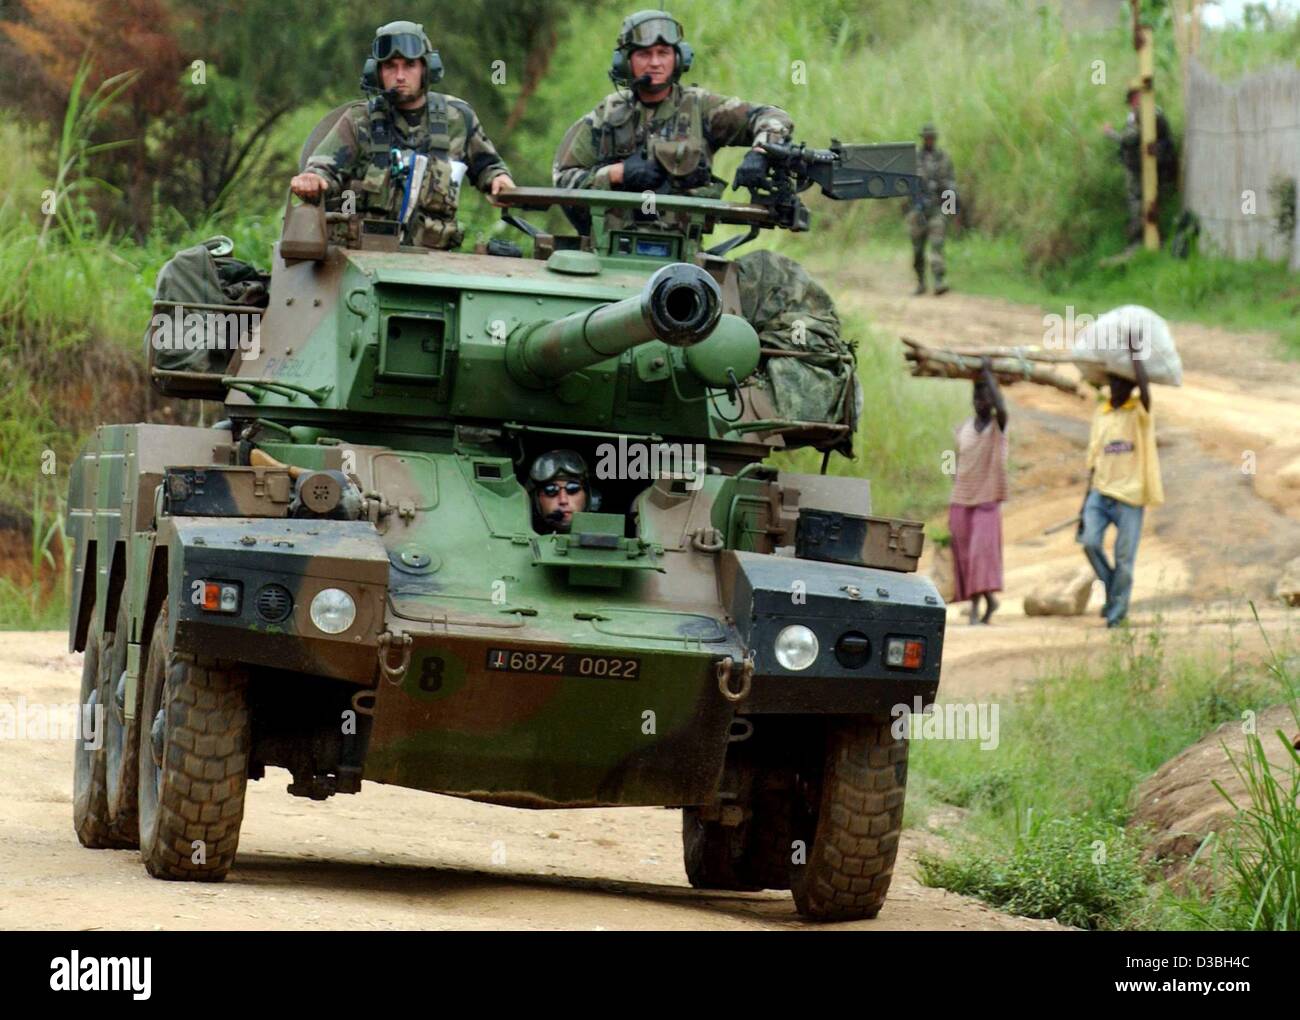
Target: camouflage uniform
[[927, 220], [1130, 155], [684, 132], [445, 129]]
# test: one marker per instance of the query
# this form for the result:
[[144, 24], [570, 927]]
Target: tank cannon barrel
[[680, 305]]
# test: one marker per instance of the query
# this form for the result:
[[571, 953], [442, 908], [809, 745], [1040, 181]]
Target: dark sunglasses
[[553, 488]]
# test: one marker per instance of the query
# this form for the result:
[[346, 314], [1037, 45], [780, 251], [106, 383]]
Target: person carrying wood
[[1123, 479], [980, 487]]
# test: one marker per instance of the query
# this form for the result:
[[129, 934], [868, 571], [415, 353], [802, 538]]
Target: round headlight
[[333, 610], [796, 647]]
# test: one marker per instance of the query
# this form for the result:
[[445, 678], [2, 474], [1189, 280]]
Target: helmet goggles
[[651, 31], [558, 462], [407, 44]]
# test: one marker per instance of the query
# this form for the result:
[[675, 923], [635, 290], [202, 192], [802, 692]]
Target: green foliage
[[1072, 750], [1269, 38], [1077, 870], [1237, 295], [37, 605], [1258, 863]]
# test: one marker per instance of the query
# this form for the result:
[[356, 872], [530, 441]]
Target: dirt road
[[396, 859], [388, 858]]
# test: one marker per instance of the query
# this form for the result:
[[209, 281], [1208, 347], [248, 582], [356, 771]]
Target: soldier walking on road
[[927, 219]]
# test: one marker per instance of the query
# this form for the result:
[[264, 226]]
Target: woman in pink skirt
[[975, 513]]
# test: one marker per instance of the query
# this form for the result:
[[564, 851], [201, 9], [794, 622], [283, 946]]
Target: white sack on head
[[1103, 346]]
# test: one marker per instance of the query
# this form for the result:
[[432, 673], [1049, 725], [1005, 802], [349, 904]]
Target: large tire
[[121, 738], [194, 745], [851, 822], [90, 816]]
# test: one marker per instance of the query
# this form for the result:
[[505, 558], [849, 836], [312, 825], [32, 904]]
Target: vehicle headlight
[[796, 647], [333, 611]]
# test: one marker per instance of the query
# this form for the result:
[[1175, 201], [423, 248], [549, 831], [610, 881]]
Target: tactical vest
[[380, 193], [678, 142]]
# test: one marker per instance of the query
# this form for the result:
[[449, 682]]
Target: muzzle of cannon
[[680, 305]]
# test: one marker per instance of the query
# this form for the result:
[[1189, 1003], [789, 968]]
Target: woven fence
[[1242, 148]]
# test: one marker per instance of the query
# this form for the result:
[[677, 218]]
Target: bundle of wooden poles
[[1009, 364]]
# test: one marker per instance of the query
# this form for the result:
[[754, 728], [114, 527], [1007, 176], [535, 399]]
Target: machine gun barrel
[[680, 305]]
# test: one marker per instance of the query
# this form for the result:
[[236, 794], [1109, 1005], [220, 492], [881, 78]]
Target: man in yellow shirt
[[1123, 479]]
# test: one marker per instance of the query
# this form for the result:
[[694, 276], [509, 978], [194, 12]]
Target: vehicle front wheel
[[194, 745], [850, 819]]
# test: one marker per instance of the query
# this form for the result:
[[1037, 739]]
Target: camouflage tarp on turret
[[792, 312]]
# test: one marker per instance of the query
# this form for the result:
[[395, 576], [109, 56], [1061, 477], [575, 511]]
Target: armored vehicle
[[346, 577]]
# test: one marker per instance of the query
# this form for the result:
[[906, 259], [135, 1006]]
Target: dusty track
[[391, 858]]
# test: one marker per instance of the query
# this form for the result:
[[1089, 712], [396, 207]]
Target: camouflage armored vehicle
[[345, 577]]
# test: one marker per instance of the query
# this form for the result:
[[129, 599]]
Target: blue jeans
[[1099, 512]]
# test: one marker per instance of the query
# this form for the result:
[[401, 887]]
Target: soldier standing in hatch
[[655, 134], [372, 147], [927, 218]]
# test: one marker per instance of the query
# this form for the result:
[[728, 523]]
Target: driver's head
[[558, 482], [929, 134]]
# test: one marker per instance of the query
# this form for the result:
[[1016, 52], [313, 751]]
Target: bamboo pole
[[1147, 116]]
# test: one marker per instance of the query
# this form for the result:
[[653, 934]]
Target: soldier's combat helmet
[[646, 28], [401, 38], [929, 129]]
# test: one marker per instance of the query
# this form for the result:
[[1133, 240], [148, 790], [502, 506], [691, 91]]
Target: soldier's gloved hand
[[752, 171], [642, 173]]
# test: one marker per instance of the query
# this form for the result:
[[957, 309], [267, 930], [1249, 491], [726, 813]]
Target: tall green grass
[[43, 602], [1257, 860], [1046, 812], [1254, 295]]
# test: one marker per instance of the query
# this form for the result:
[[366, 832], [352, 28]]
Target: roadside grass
[[1258, 295], [1256, 861], [1044, 813], [38, 599]]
